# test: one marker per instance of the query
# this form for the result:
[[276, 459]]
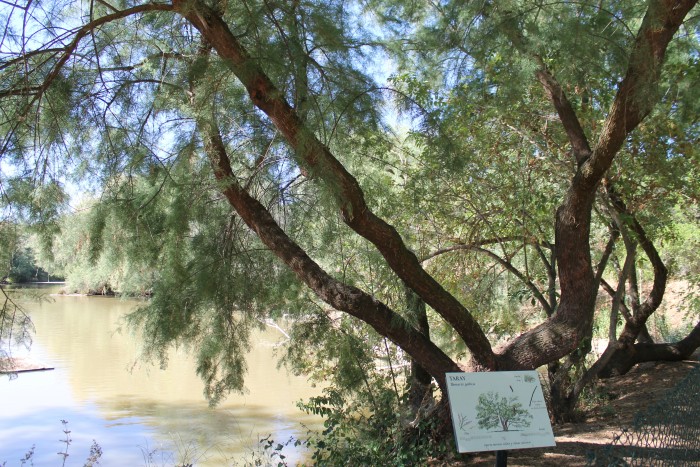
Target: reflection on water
[[137, 411]]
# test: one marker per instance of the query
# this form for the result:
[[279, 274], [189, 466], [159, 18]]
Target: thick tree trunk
[[622, 362], [636, 96], [573, 319], [318, 161], [341, 296], [563, 331], [419, 379]]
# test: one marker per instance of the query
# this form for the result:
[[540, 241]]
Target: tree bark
[[419, 379], [641, 313], [635, 98], [622, 362], [318, 160], [562, 332], [341, 296]]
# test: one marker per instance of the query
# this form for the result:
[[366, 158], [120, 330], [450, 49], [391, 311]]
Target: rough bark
[[419, 379], [643, 311], [645, 352], [318, 160], [561, 385], [341, 296], [636, 324], [561, 333], [554, 338], [634, 100]]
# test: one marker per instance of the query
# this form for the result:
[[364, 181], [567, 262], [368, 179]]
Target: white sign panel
[[498, 411]]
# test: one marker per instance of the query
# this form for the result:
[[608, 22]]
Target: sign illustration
[[498, 411]]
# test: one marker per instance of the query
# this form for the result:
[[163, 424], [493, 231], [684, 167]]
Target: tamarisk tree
[[242, 161]]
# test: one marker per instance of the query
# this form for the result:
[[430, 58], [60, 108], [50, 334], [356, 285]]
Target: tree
[[228, 139], [494, 410]]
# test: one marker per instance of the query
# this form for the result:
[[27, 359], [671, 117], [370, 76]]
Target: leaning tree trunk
[[419, 380], [559, 334], [636, 96]]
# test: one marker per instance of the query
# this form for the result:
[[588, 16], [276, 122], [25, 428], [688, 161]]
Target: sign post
[[498, 411]]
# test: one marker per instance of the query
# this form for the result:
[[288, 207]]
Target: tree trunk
[[622, 362], [419, 379], [558, 335]]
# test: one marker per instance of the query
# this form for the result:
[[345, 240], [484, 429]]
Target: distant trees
[[19, 263]]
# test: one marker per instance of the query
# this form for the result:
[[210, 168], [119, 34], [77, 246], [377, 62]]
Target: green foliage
[[471, 180], [496, 411], [369, 428], [18, 258], [668, 332], [680, 248], [23, 268]]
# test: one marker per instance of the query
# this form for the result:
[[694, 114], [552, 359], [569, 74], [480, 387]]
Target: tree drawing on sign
[[494, 410]]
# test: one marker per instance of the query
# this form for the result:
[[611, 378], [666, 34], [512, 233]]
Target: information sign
[[498, 411]]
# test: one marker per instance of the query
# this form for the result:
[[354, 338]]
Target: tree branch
[[634, 100], [507, 265], [637, 93], [471, 245], [634, 326], [317, 159], [66, 53], [340, 296], [567, 115]]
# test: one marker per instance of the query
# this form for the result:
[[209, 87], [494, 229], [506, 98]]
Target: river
[[138, 414]]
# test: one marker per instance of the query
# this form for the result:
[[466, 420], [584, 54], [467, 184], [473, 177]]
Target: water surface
[[138, 414]]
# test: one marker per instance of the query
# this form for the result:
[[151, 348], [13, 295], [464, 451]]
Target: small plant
[[372, 429], [95, 455], [180, 453], [28, 457], [67, 441], [597, 398], [92, 460]]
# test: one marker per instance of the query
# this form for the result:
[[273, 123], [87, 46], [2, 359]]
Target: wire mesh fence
[[666, 434]]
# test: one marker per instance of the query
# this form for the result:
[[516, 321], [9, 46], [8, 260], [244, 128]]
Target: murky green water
[[139, 415]]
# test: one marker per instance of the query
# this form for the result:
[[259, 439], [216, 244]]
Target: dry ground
[[621, 398]]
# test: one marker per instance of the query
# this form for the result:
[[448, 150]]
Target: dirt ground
[[620, 399]]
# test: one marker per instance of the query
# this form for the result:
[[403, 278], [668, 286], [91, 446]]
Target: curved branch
[[567, 114], [317, 159], [340, 296], [648, 352], [634, 326], [80, 34], [503, 262], [612, 292], [634, 100], [605, 257], [37, 92], [470, 246], [645, 352], [637, 93]]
